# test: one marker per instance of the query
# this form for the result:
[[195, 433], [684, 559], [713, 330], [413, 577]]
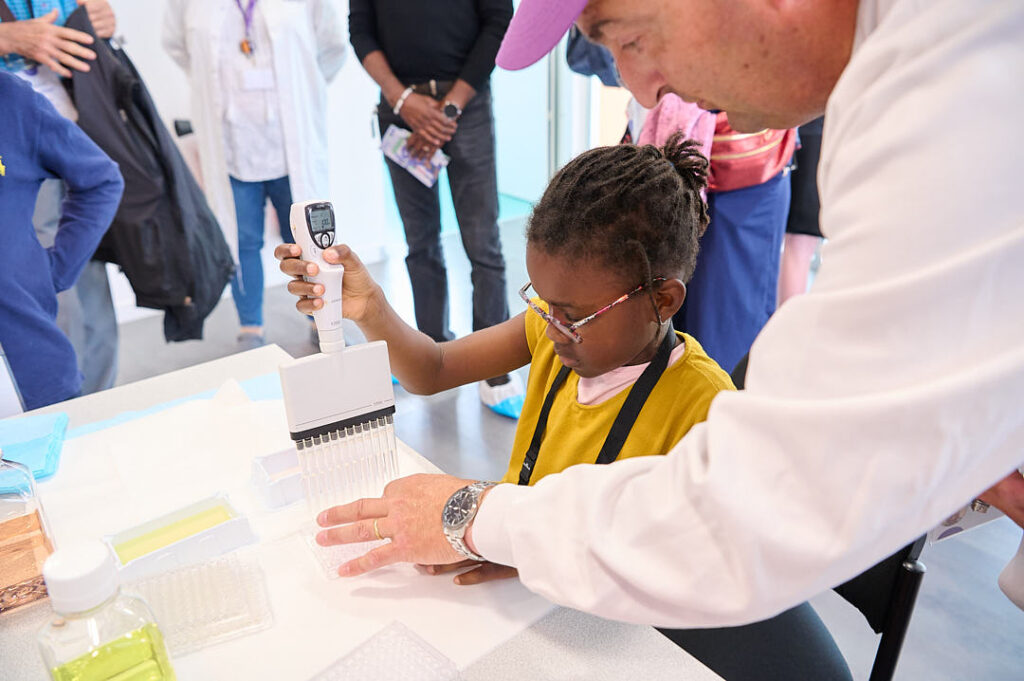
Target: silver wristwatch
[[459, 512]]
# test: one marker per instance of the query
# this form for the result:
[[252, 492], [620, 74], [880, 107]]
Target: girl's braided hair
[[636, 209]]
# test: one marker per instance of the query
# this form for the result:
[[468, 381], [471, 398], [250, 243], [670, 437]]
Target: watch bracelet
[[463, 550], [459, 543]]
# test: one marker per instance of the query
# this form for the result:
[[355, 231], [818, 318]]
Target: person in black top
[[433, 62], [803, 233]]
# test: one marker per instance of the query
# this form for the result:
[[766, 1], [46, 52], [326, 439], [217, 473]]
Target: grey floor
[[963, 627]]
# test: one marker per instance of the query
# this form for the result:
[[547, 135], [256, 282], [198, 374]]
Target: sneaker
[[248, 340], [504, 397]]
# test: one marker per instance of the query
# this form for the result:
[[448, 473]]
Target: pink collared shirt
[[591, 391]]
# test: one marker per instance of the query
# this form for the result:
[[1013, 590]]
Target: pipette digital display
[[313, 228], [319, 225], [320, 221]]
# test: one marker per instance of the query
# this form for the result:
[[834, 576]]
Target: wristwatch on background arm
[[459, 512], [452, 110]]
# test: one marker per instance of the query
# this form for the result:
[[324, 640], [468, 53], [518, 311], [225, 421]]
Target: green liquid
[[156, 539], [137, 656]]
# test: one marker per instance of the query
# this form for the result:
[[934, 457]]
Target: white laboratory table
[[493, 631]]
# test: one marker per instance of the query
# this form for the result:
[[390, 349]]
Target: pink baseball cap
[[535, 29]]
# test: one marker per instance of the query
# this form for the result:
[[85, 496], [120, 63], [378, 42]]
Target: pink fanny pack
[[740, 160]]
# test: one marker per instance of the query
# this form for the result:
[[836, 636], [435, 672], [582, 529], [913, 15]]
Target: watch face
[[451, 111], [456, 511]]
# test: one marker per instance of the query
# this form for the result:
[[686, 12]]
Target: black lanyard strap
[[636, 399], [542, 423], [625, 419]]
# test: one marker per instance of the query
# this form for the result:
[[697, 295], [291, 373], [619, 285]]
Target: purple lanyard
[[247, 14]]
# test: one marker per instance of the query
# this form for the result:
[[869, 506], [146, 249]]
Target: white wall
[[356, 182]]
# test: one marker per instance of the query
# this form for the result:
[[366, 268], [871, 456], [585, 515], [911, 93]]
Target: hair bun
[[684, 155]]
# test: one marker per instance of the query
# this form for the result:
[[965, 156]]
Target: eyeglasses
[[569, 330]]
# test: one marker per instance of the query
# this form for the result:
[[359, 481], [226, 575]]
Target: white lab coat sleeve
[[330, 38], [875, 405], [173, 34]]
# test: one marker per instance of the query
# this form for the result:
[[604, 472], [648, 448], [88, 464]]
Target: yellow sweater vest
[[575, 431]]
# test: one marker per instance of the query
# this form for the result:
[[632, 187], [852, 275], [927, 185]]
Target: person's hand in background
[[42, 41], [424, 116], [420, 147], [1008, 496], [101, 16]]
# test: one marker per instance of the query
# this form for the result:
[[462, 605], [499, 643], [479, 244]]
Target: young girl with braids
[[609, 249]]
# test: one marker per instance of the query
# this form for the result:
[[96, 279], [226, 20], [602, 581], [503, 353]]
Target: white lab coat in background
[[308, 42]]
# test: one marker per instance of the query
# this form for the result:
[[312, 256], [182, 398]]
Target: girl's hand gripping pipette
[[361, 296], [313, 228], [417, 361]]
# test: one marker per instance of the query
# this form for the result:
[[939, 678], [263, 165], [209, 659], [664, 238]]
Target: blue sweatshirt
[[37, 143]]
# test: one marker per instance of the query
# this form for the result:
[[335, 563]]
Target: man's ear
[[669, 297]]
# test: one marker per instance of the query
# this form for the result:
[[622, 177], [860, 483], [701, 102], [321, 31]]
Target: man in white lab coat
[[875, 405], [258, 71]]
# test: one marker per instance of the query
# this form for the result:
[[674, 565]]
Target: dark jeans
[[250, 200], [473, 179], [792, 646], [805, 205]]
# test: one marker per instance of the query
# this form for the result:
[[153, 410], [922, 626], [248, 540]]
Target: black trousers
[[472, 175], [792, 646], [804, 205]]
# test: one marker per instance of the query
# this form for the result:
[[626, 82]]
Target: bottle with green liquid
[[98, 633]]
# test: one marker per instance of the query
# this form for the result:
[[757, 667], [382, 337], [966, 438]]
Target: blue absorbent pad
[[34, 441], [265, 387]]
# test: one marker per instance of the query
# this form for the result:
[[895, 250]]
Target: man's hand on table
[[409, 514]]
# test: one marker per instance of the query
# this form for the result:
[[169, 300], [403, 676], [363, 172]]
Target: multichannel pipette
[[312, 225], [340, 403]]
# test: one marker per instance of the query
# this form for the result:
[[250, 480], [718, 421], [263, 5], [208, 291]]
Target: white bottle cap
[[80, 576]]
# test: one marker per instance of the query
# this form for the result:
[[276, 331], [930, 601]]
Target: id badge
[[257, 79]]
